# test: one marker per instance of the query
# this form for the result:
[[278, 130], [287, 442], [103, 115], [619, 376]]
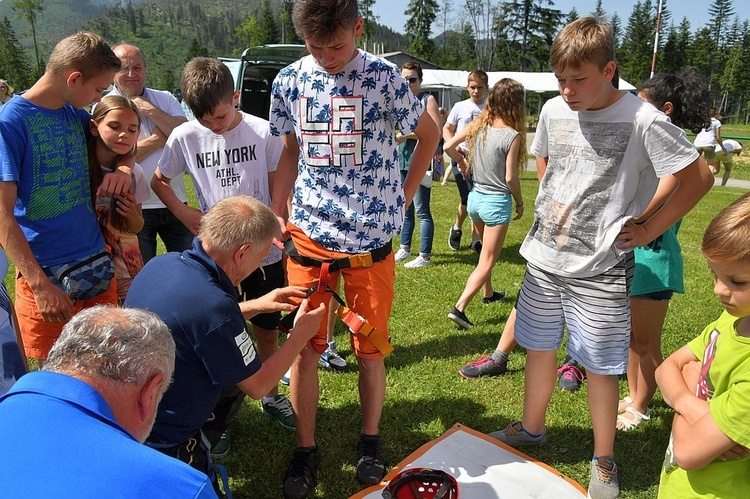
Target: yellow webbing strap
[[358, 324]]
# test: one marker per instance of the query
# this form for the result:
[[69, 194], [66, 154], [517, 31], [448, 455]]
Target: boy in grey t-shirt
[[601, 151]]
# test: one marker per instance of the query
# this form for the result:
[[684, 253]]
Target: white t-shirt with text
[[236, 162]]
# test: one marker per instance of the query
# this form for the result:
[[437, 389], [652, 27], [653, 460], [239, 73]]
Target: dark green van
[[254, 73]]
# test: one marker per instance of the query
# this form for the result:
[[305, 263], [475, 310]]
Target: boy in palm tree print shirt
[[337, 111], [348, 195]]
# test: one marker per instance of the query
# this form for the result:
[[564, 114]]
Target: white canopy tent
[[451, 82]]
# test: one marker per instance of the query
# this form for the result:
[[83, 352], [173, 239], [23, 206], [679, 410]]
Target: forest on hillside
[[511, 35]]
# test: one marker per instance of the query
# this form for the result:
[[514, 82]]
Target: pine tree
[[422, 13], [197, 49], [599, 11], [674, 57], [636, 50], [30, 10], [131, 18], [268, 24], [571, 16], [701, 53], [14, 65], [616, 23], [535, 27], [720, 12]]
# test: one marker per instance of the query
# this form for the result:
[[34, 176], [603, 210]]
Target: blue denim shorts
[[492, 209]]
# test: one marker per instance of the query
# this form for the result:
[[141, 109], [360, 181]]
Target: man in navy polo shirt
[[195, 293], [76, 428]]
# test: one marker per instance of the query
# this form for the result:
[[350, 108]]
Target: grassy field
[[425, 394]]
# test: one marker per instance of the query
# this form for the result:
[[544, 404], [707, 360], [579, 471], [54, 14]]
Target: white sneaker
[[417, 262], [287, 377], [331, 358], [402, 255]]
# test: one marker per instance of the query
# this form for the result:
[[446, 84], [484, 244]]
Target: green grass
[[426, 396], [735, 130]]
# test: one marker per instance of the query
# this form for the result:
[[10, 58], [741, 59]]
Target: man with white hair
[[76, 428]]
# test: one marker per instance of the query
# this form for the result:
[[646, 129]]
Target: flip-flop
[[626, 424]]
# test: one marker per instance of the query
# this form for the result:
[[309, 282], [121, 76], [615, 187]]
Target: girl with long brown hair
[[495, 153], [115, 125]]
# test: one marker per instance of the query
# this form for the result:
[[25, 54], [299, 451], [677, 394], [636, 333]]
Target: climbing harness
[[355, 322]]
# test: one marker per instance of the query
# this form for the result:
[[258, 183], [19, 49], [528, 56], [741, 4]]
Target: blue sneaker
[[286, 377], [331, 358]]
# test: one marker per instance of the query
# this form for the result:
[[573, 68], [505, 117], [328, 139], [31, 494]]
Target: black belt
[[352, 261]]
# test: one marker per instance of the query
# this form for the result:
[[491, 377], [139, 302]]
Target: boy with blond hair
[[707, 381], [463, 113], [47, 222], [226, 152], [337, 111], [601, 152]]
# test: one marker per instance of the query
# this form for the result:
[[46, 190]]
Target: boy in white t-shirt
[[227, 152], [462, 114], [600, 151]]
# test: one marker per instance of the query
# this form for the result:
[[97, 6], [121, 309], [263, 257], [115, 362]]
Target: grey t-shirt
[[489, 160], [602, 171]]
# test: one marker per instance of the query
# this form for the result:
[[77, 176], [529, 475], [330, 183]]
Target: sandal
[[623, 404], [624, 423]]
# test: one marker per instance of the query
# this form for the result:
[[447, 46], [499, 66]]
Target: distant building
[[399, 58]]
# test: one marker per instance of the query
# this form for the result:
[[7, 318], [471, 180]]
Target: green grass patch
[[426, 396], [735, 130]]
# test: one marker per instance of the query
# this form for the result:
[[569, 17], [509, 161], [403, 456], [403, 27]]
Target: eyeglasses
[[412, 79]]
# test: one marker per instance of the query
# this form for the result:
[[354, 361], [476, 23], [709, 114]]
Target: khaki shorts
[[708, 152]]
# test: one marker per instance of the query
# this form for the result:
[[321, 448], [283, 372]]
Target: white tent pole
[[656, 39]]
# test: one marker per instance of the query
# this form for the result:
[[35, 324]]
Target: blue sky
[[391, 12]]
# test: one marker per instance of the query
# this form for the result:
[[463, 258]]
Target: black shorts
[[262, 281], [664, 295]]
